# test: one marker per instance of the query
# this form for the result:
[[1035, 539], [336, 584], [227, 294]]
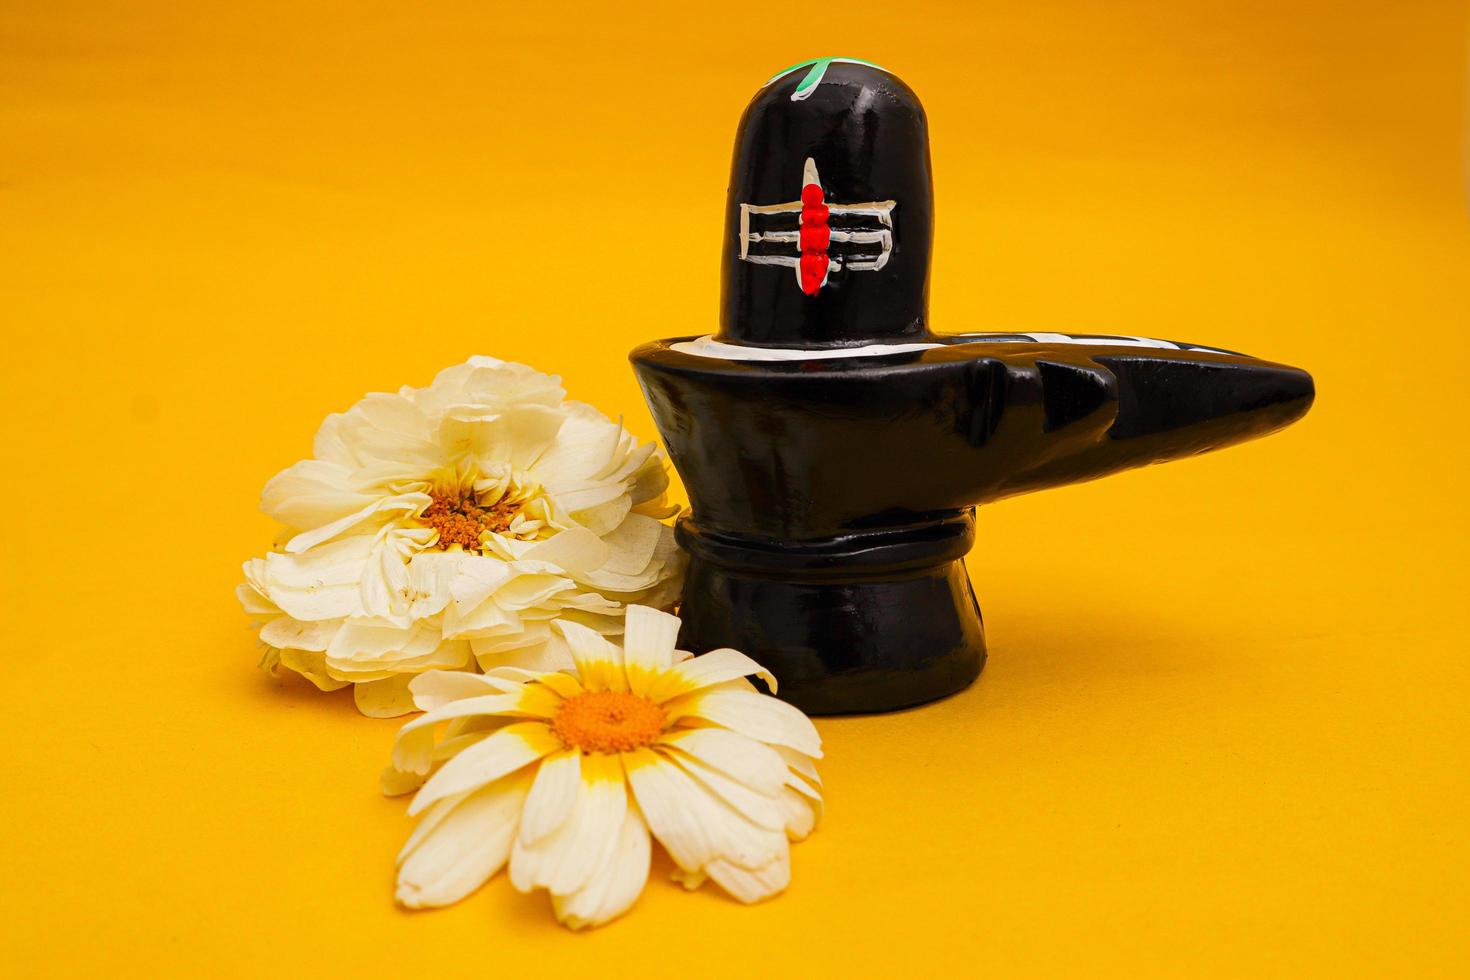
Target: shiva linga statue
[[834, 448]]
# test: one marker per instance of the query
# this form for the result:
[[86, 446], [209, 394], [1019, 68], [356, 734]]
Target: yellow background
[[1224, 725]]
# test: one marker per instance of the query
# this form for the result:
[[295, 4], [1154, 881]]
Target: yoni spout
[[1076, 408]]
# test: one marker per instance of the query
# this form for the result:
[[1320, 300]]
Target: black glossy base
[[833, 499], [842, 634]]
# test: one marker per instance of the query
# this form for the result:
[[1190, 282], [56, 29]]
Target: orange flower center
[[459, 518], [607, 721]]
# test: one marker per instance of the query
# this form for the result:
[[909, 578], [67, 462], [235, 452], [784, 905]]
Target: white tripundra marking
[[1096, 340], [881, 236], [708, 346], [792, 236]]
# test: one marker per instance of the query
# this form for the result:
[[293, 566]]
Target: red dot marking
[[814, 238]]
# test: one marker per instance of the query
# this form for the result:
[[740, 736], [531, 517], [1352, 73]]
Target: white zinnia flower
[[446, 528], [563, 775]]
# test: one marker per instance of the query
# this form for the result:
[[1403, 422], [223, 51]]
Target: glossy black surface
[[812, 449], [833, 499], [866, 133], [843, 642]]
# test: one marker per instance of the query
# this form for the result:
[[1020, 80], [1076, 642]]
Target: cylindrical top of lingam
[[829, 222]]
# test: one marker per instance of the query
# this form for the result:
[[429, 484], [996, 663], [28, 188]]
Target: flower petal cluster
[[448, 527], [563, 776]]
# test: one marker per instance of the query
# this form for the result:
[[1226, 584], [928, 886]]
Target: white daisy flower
[[564, 775], [447, 527]]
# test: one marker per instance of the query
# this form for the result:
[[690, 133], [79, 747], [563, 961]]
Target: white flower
[[563, 775], [447, 527]]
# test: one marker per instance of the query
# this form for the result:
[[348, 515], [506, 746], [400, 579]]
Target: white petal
[[526, 634], [384, 508], [311, 664], [390, 412], [552, 795], [804, 788], [649, 483], [366, 640], [614, 888], [648, 647], [534, 701], [530, 589], [575, 549], [761, 810], [385, 588], [438, 687], [675, 824], [626, 587], [251, 592], [283, 632], [693, 825], [628, 460], [800, 814], [543, 650], [432, 818], [748, 885], [517, 436], [566, 859], [600, 509], [583, 447], [467, 846], [485, 621], [507, 750], [599, 663], [631, 545], [387, 698], [430, 577], [322, 584], [665, 563], [689, 879], [331, 444], [800, 763], [753, 763], [389, 428], [413, 749], [477, 579], [487, 381], [757, 716], [312, 493], [450, 655], [707, 670], [396, 782], [597, 606], [564, 684]]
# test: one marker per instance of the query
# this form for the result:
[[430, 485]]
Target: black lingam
[[834, 449]]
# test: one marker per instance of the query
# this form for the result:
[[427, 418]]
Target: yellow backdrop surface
[[1224, 725]]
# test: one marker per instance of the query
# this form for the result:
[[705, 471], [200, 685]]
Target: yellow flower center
[[607, 721], [460, 519]]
